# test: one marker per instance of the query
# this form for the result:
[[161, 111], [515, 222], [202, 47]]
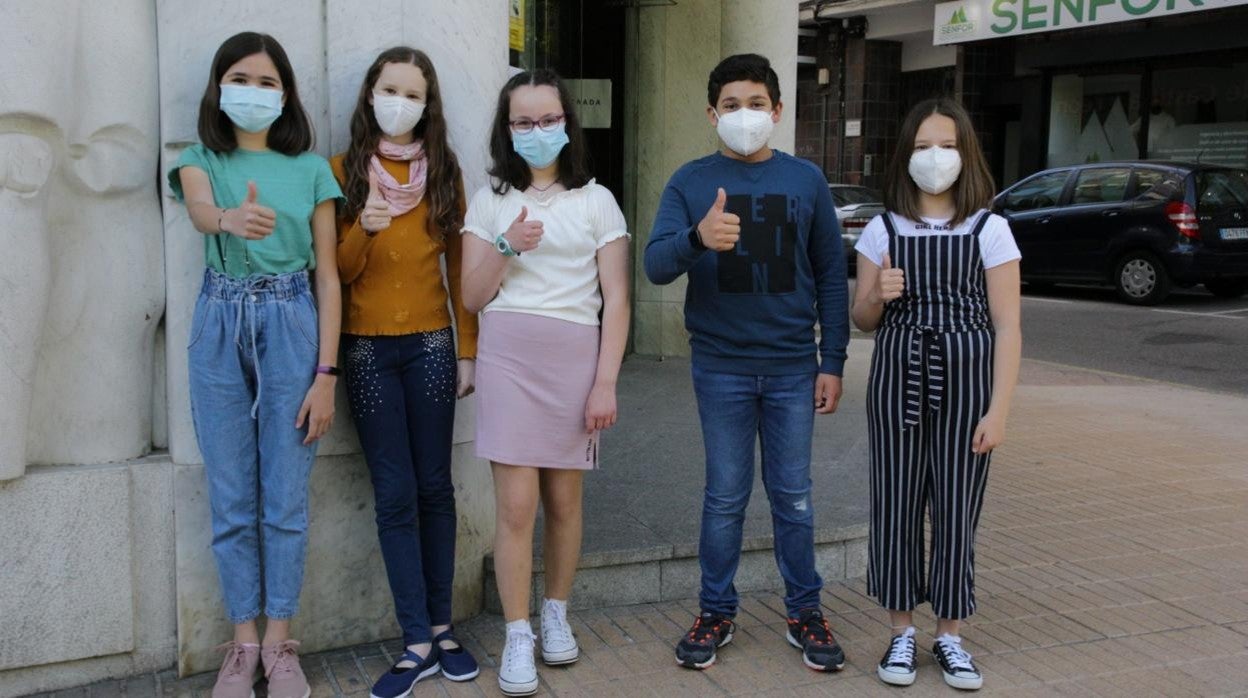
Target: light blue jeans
[[253, 353], [778, 413]]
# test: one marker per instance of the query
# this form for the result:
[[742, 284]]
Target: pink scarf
[[401, 197]]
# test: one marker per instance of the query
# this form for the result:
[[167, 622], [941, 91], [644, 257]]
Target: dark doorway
[[583, 40]]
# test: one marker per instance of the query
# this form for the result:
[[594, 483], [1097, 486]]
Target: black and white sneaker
[[897, 666], [955, 662], [810, 633], [696, 649]]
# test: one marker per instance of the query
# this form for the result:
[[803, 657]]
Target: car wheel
[[1227, 288], [1140, 279]]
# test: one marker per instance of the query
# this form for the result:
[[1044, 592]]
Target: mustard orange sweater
[[392, 281]]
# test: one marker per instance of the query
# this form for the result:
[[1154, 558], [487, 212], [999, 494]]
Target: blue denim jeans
[[402, 395], [253, 352], [779, 411]]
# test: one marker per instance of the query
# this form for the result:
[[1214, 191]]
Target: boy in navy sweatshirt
[[755, 229]]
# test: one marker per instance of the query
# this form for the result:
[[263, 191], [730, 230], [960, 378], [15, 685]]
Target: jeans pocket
[[302, 312], [197, 322]]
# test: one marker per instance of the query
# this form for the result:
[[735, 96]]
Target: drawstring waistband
[[923, 341], [246, 292]]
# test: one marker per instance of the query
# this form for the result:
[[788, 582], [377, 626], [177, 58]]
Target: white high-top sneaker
[[558, 643], [518, 674]]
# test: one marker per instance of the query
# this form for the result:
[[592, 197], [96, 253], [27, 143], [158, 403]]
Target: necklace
[[544, 193]]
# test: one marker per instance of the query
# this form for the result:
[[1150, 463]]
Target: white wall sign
[[975, 20], [592, 101], [853, 128]]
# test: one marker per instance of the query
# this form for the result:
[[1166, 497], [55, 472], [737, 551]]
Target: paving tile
[[1103, 547]]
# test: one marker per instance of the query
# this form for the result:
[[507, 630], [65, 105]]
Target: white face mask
[[935, 169], [396, 115], [745, 131]]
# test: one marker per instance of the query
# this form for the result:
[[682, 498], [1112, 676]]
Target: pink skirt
[[534, 375]]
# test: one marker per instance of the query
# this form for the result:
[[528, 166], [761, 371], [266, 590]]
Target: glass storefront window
[[1200, 113], [1093, 117]]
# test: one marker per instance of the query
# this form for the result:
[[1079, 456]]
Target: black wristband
[[695, 240]]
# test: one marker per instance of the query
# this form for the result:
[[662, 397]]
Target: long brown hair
[[290, 134], [974, 188], [443, 183], [509, 170]]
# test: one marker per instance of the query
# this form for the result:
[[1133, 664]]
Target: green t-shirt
[[291, 185]]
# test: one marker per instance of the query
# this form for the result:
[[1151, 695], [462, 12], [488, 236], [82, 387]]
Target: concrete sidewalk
[[1113, 560]]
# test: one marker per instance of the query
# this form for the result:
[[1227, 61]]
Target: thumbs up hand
[[719, 230], [251, 221], [890, 283], [523, 234], [375, 216]]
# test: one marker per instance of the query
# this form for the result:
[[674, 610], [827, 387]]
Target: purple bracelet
[[328, 370]]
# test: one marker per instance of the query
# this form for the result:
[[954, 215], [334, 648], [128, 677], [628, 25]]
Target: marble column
[[674, 49], [769, 28]]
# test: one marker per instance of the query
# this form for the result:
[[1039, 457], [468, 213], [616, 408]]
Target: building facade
[[1048, 82]]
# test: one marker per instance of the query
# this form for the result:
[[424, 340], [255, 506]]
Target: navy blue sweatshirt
[[752, 309]]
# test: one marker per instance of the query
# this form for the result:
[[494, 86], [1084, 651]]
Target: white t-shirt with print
[[996, 242], [559, 278]]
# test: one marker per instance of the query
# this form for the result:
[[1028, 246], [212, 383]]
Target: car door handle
[[1044, 219], [1109, 214]]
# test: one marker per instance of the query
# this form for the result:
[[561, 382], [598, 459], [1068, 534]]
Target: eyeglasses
[[547, 123]]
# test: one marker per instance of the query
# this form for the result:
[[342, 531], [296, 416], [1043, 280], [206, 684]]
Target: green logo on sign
[[958, 25]]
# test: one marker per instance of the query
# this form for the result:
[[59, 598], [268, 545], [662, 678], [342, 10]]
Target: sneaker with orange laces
[[710, 631], [809, 632], [281, 667], [238, 671]]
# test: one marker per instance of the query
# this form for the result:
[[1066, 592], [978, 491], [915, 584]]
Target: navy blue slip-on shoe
[[458, 664], [398, 682]]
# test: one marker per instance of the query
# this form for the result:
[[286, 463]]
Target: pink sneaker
[[238, 671], [281, 666]]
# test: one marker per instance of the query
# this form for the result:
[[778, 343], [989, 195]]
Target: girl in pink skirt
[[546, 260]]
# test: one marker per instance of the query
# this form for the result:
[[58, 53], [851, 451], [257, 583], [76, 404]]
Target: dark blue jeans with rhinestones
[[402, 395]]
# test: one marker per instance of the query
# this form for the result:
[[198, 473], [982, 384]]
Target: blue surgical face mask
[[251, 108], [540, 148]]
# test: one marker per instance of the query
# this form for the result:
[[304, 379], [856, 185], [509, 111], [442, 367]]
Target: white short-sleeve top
[[559, 278], [996, 242]]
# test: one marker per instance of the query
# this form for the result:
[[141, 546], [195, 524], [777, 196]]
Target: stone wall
[[667, 125], [105, 567]]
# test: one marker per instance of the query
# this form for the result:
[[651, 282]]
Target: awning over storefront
[[976, 20]]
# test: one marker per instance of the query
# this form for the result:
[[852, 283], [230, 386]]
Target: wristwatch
[[504, 247]]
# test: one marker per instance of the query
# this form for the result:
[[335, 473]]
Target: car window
[[1157, 185], [1038, 192], [848, 196], [1100, 185], [1222, 189]]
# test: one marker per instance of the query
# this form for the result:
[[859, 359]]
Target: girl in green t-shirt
[[262, 350]]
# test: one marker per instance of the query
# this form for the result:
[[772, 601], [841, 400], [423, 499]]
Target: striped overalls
[[930, 383]]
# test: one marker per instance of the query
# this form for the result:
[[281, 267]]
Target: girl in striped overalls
[[938, 281]]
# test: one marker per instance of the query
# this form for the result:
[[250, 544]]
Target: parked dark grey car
[[1143, 227]]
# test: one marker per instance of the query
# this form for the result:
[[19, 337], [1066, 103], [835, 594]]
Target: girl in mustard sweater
[[405, 206]]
